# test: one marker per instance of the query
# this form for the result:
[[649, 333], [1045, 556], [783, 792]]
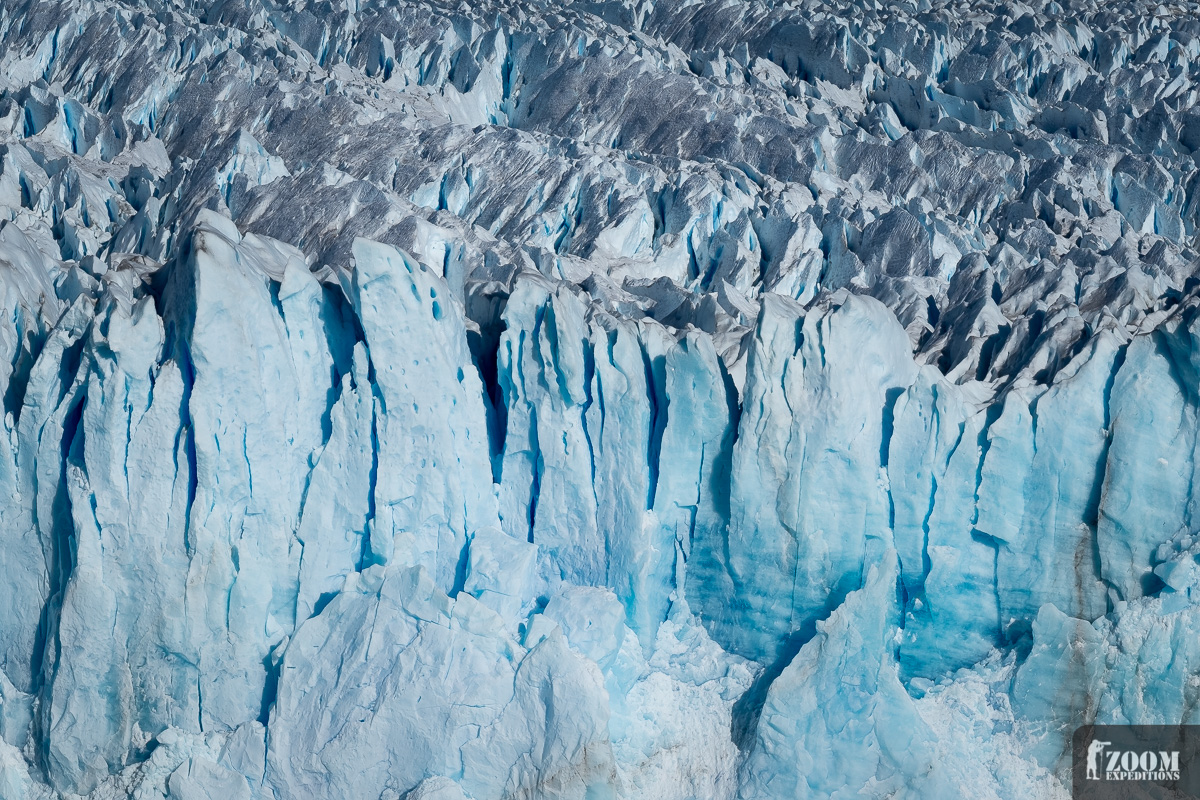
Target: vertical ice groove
[[659, 415], [593, 398], [1100, 480], [246, 556], [765, 430], [830, 398], [333, 529], [31, 556], [518, 367], [427, 501]]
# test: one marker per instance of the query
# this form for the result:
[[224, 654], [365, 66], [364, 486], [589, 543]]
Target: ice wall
[[592, 400]]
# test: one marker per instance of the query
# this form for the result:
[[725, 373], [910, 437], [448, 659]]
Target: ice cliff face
[[593, 400]]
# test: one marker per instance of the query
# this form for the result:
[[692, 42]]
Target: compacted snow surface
[[593, 400]]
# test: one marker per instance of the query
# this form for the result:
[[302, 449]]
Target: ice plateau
[[601, 400]]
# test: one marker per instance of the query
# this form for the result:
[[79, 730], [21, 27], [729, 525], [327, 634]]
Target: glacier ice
[[593, 400]]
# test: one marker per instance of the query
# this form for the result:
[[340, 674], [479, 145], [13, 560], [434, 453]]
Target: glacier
[[601, 400]]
